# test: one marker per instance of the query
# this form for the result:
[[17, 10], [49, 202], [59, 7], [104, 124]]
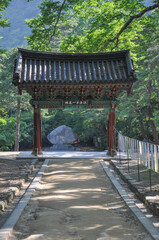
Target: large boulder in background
[[61, 135]]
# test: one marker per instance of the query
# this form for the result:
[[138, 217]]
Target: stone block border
[[148, 201], [11, 194]]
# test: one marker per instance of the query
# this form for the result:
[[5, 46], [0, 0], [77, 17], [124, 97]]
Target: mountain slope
[[18, 11]]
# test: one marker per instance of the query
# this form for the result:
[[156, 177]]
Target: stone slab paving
[[70, 154], [75, 200], [8, 155]]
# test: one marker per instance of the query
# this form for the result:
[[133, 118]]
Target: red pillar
[[111, 132], [36, 131]]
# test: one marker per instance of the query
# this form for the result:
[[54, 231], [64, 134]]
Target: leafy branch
[[58, 18], [116, 38]]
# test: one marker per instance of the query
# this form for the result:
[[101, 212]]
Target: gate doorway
[[89, 129], [79, 80]]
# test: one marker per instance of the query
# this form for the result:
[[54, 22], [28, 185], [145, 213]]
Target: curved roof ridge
[[122, 52]]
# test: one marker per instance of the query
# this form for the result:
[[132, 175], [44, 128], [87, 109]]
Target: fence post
[[158, 152], [122, 143], [143, 153], [156, 158], [138, 159], [127, 147], [148, 155], [136, 146], [134, 149], [131, 147], [152, 157], [140, 151]]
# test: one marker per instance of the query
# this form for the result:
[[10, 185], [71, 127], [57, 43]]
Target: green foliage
[[8, 100], [8, 92], [105, 20], [17, 12], [46, 29], [26, 130], [145, 93], [92, 23], [87, 124], [85, 26], [3, 21], [7, 129]]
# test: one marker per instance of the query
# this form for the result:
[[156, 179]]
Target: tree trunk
[[153, 127], [142, 127], [149, 112], [16, 144], [154, 132]]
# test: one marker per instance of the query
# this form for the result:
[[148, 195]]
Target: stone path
[[76, 201], [70, 154]]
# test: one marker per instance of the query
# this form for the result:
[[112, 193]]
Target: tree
[[106, 19], [143, 102], [115, 40], [16, 142], [103, 31], [3, 5], [87, 124], [3, 21], [9, 98], [106, 26], [46, 27]]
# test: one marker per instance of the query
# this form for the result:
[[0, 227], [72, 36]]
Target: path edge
[[130, 203]]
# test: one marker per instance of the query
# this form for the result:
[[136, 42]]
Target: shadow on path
[[76, 201]]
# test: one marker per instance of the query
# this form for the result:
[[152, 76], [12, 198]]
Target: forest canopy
[[89, 26]]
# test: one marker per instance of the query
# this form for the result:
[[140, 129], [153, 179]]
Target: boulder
[[60, 147], [61, 135]]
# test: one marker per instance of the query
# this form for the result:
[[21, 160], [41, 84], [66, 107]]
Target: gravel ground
[[11, 174], [147, 180]]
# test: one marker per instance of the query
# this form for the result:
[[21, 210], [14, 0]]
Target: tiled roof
[[66, 68]]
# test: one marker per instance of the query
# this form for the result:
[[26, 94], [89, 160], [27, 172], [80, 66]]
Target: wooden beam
[[111, 132], [36, 131]]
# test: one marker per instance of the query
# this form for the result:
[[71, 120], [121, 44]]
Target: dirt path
[[76, 201]]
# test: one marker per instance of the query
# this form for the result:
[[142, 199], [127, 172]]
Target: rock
[[61, 135], [60, 147]]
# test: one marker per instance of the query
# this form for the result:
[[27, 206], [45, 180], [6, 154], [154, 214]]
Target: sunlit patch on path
[[76, 201]]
